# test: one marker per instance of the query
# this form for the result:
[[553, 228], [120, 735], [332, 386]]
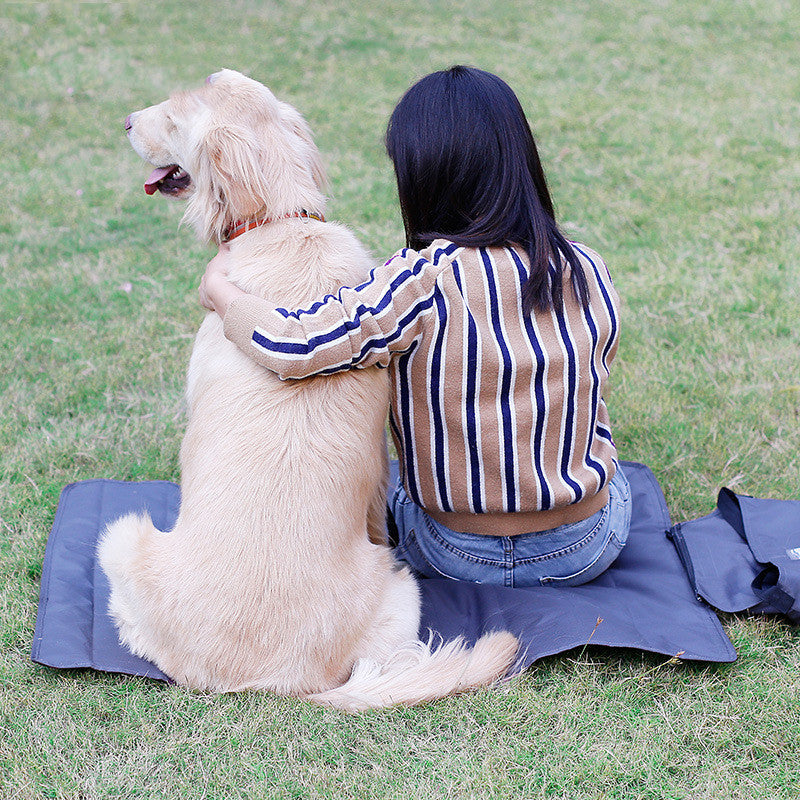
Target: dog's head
[[233, 150]]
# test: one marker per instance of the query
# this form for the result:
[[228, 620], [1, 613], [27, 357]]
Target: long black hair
[[468, 171]]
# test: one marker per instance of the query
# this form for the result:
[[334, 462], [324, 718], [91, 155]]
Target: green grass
[[670, 133]]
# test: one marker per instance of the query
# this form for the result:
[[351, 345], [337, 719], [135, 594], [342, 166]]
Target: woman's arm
[[357, 327]]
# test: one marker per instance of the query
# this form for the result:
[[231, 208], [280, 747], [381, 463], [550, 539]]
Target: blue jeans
[[565, 556]]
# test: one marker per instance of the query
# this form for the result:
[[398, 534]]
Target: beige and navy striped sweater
[[492, 410]]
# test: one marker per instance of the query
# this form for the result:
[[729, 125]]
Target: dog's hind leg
[[396, 621]]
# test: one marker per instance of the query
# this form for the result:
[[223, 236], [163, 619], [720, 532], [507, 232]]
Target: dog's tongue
[[156, 176]]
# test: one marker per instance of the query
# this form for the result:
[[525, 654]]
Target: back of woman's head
[[468, 170]]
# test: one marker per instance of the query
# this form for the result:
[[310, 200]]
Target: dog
[[276, 574]]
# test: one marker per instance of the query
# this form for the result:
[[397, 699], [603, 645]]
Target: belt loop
[[508, 558]]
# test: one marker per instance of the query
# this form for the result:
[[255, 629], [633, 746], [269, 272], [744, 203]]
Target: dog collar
[[238, 228]]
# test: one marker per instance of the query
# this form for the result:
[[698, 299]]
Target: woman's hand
[[216, 291]]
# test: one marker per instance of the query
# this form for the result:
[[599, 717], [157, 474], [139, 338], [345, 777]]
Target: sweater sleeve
[[357, 327]]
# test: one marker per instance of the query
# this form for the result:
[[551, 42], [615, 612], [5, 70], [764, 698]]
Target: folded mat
[[644, 601], [745, 555]]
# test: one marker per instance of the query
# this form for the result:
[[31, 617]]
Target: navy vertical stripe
[[471, 365], [538, 388], [506, 427], [608, 303], [592, 462], [406, 424], [398, 437], [440, 464], [612, 337], [571, 401]]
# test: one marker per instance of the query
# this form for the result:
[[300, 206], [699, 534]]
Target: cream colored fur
[[275, 575]]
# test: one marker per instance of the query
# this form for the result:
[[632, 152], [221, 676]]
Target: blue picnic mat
[[644, 601]]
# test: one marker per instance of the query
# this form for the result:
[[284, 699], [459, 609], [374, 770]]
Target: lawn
[[669, 130]]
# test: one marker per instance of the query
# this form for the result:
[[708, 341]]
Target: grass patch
[[669, 131]]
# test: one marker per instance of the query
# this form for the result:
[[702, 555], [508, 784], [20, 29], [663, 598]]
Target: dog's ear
[[301, 130], [237, 170], [243, 173]]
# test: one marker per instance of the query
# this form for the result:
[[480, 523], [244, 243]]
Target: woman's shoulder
[[591, 260], [586, 253], [443, 251], [439, 253]]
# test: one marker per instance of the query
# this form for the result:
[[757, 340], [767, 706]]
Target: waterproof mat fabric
[[745, 555], [644, 601]]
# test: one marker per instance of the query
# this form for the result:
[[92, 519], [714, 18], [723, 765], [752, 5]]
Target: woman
[[499, 334]]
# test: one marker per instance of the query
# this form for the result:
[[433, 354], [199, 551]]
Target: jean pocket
[[410, 552], [596, 567]]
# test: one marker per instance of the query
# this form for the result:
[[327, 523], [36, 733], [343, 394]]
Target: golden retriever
[[275, 575]]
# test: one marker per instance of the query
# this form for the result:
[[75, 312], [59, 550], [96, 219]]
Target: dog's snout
[[128, 123]]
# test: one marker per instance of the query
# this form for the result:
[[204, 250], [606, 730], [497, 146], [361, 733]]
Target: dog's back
[[269, 573]]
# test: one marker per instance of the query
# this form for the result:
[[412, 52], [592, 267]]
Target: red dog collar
[[238, 228]]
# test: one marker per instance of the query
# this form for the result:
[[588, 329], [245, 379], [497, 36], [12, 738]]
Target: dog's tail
[[422, 672]]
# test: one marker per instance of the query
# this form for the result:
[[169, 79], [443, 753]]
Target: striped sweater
[[492, 410]]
